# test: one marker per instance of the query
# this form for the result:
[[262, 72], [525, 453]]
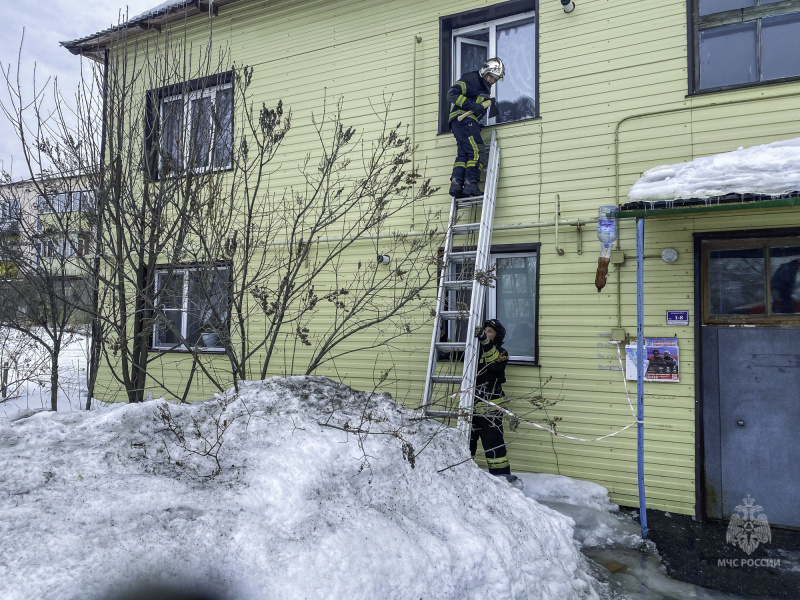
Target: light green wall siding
[[613, 96]]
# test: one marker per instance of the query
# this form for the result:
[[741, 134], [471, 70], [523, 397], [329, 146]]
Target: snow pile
[[303, 506], [544, 487], [771, 169]]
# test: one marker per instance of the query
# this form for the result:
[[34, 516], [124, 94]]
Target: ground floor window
[[512, 298], [191, 308]]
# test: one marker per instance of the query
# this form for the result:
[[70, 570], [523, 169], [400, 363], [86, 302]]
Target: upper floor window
[[59, 247], [744, 42], [64, 202], [9, 211], [506, 30], [191, 126]]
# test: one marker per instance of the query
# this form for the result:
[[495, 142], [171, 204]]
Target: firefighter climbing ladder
[[464, 266]]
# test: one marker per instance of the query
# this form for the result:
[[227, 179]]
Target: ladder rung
[[469, 202], [447, 379], [454, 315], [450, 346], [463, 228], [465, 254], [465, 284], [471, 198], [441, 414]]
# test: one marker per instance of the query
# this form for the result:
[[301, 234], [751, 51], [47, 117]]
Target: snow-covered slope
[[771, 169], [95, 503]]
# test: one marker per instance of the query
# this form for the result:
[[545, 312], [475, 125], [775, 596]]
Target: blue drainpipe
[[640, 369]]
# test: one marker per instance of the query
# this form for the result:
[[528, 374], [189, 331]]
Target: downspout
[[655, 114], [640, 371], [94, 351]]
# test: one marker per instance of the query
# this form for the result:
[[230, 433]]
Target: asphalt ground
[[698, 553]]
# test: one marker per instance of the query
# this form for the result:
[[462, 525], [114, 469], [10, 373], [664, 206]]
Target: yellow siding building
[[618, 88]]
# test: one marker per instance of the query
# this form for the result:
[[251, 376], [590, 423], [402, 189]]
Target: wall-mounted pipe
[[559, 251]]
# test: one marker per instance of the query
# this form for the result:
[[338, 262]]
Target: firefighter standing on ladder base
[[487, 421], [470, 98]]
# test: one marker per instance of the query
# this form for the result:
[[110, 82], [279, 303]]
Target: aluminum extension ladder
[[448, 376]]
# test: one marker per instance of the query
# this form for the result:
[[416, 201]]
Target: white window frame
[[490, 307], [187, 99], [59, 205], [61, 247], [184, 310], [491, 298], [492, 48]]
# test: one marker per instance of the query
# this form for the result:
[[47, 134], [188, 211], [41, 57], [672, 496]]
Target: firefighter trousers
[[488, 428]]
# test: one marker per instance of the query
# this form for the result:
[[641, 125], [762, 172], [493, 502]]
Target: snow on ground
[[98, 502], [771, 169], [30, 376]]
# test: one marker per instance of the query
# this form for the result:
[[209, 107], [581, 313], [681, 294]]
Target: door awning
[[766, 176]]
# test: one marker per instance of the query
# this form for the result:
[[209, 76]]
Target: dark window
[[190, 126], [751, 281], [743, 42], [507, 30], [191, 308]]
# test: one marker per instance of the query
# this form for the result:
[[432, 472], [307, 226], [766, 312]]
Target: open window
[[191, 309], [507, 30], [738, 43]]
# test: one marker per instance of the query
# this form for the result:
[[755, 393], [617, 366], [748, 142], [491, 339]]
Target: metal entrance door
[[751, 379]]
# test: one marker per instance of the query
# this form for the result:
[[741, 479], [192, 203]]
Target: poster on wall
[[661, 360]]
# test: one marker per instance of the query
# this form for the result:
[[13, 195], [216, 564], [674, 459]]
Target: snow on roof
[[163, 7], [156, 16], [771, 169]]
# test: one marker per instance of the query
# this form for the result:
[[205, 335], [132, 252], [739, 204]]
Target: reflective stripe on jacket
[[467, 94]]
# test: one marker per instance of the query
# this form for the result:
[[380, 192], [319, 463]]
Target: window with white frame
[[738, 43], [508, 31], [57, 247], [513, 299], [196, 126], [191, 308], [64, 202]]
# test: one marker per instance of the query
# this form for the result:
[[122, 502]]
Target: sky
[[46, 23]]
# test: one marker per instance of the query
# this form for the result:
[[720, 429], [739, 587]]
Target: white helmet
[[493, 66]]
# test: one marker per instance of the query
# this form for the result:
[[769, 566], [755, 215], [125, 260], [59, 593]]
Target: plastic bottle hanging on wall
[[607, 234]]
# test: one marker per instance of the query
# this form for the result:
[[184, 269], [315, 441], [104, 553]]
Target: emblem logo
[[749, 528]]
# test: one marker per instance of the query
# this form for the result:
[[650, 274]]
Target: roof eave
[[93, 46]]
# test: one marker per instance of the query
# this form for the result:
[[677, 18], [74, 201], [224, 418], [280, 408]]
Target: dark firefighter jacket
[[467, 94], [491, 375]]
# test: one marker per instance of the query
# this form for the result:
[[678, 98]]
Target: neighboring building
[[47, 233], [592, 99]]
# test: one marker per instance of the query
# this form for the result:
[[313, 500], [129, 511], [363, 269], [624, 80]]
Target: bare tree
[[191, 246]]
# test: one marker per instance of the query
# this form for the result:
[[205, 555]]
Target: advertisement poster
[[661, 360]]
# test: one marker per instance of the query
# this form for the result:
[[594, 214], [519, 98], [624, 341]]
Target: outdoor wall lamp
[[568, 5], [383, 259]]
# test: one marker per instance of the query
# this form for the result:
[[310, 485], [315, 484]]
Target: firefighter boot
[[471, 189], [456, 188]]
